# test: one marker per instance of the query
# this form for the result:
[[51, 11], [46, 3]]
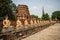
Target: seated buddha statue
[[35, 22], [6, 22], [31, 22], [38, 21], [26, 22], [18, 22]]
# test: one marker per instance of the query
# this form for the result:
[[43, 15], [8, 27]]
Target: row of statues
[[7, 22]]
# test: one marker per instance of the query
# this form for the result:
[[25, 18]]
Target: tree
[[45, 17], [6, 9], [56, 15], [34, 16]]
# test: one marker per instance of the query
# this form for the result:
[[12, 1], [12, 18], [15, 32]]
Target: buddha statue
[[26, 22], [38, 21], [18, 24], [31, 22], [35, 22], [6, 22]]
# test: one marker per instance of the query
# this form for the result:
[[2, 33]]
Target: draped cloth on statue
[[6, 23], [35, 22], [31, 22], [26, 22], [18, 23]]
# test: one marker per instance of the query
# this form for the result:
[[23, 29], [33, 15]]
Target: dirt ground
[[50, 33]]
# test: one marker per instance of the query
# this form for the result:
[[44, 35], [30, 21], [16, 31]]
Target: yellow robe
[[6, 23]]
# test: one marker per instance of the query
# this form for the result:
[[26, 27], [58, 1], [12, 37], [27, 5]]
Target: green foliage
[[56, 15], [7, 8], [45, 17], [34, 16], [1, 18]]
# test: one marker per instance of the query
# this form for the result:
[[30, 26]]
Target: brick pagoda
[[23, 12]]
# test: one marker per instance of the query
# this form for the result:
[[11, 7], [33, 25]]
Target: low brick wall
[[1, 25]]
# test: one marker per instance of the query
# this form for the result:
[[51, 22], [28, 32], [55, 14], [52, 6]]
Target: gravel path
[[50, 33]]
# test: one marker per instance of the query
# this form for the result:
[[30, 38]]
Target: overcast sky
[[35, 6]]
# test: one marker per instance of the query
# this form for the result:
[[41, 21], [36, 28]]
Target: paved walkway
[[50, 33]]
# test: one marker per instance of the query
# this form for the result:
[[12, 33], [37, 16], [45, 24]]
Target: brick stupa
[[23, 12]]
